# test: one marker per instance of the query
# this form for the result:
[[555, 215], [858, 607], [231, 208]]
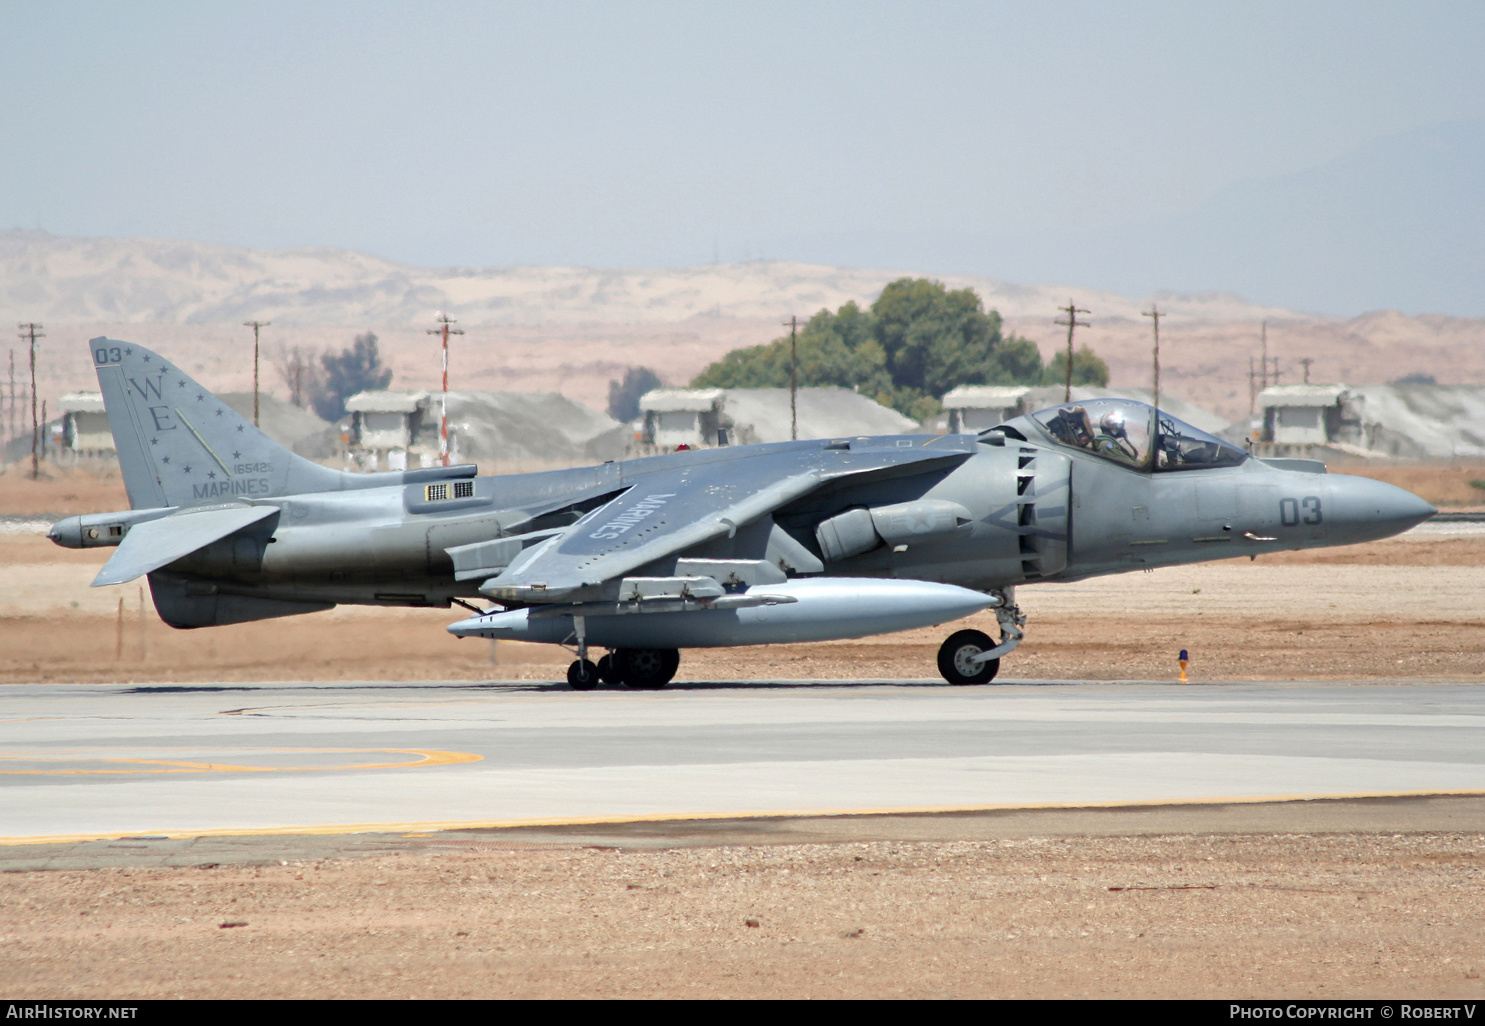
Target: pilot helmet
[[1112, 424]]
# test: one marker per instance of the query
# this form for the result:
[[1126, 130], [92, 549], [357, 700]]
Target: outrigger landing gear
[[582, 675], [970, 657]]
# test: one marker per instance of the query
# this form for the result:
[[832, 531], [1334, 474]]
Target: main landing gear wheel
[[647, 668], [582, 675], [956, 653], [608, 671]]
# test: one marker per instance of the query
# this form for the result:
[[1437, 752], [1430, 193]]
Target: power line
[[1072, 310], [30, 333], [445, 328], [255, 325]]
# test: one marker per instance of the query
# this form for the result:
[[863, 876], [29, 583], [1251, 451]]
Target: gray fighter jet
[[787, 542]]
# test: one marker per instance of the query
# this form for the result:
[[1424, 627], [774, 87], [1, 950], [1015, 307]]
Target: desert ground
[[1237, 916], [1189, 913]]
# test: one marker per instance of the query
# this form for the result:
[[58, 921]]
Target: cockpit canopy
[[1123, 430]]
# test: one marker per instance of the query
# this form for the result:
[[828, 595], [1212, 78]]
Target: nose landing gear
[[958, 658], [970, 657]]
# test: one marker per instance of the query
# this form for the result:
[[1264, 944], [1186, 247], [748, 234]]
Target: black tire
[[960, 646], [608, 671], [647, 668], [582, 675]]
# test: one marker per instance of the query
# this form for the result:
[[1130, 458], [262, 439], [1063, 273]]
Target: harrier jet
[[744, 545]]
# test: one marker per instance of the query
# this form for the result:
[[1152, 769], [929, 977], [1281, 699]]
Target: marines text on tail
[[794, 541]]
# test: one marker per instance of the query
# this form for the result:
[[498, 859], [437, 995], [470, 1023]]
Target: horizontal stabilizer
[[155, 543]]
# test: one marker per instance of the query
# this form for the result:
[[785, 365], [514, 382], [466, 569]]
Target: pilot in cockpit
[[1108, 436], [1073, 426], [1113, 439], [1122, 430]]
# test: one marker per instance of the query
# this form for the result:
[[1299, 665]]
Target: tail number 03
[[1289, 511]]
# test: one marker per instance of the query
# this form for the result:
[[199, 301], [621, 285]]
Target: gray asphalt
[[105, 761]]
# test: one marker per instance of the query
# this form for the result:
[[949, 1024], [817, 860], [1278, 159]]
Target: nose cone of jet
[[67, 533], [1364, 510]]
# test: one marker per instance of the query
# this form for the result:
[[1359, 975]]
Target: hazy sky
[[660, 133]]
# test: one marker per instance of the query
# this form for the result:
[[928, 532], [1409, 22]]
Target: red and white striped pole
[[445, 329]]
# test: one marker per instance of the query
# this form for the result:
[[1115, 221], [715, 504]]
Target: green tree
[[833, 348], [1087, 369], [1020, 362], [917, 341], [935, 339]]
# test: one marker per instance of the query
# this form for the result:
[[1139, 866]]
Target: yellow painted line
[[407, 827], [429, 757]]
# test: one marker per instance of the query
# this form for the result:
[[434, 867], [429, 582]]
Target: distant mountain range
[[47, 278], [574, 329]]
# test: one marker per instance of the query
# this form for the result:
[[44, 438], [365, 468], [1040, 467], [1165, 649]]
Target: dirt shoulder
[[1329, 916]]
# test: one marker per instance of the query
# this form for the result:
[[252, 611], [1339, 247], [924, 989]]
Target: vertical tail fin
[[179, 445]]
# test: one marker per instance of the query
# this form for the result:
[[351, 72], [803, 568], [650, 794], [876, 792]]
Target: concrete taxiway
[[100, 761]]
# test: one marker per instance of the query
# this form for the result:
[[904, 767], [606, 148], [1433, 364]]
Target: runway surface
[[81, 761]]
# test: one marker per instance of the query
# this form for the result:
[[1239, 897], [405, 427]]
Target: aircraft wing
[[154, 543], [669, 511]]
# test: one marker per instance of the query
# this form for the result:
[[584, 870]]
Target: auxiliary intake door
[[1043, 500]]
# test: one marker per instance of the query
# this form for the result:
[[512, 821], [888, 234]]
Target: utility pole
[[794, 378], [10, 410], [32, 332], [1154, 314], [1265, 354], [255, 325], [1252, 387], [445, 328], [1307, 361], [296, 374], [1072, 310]]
